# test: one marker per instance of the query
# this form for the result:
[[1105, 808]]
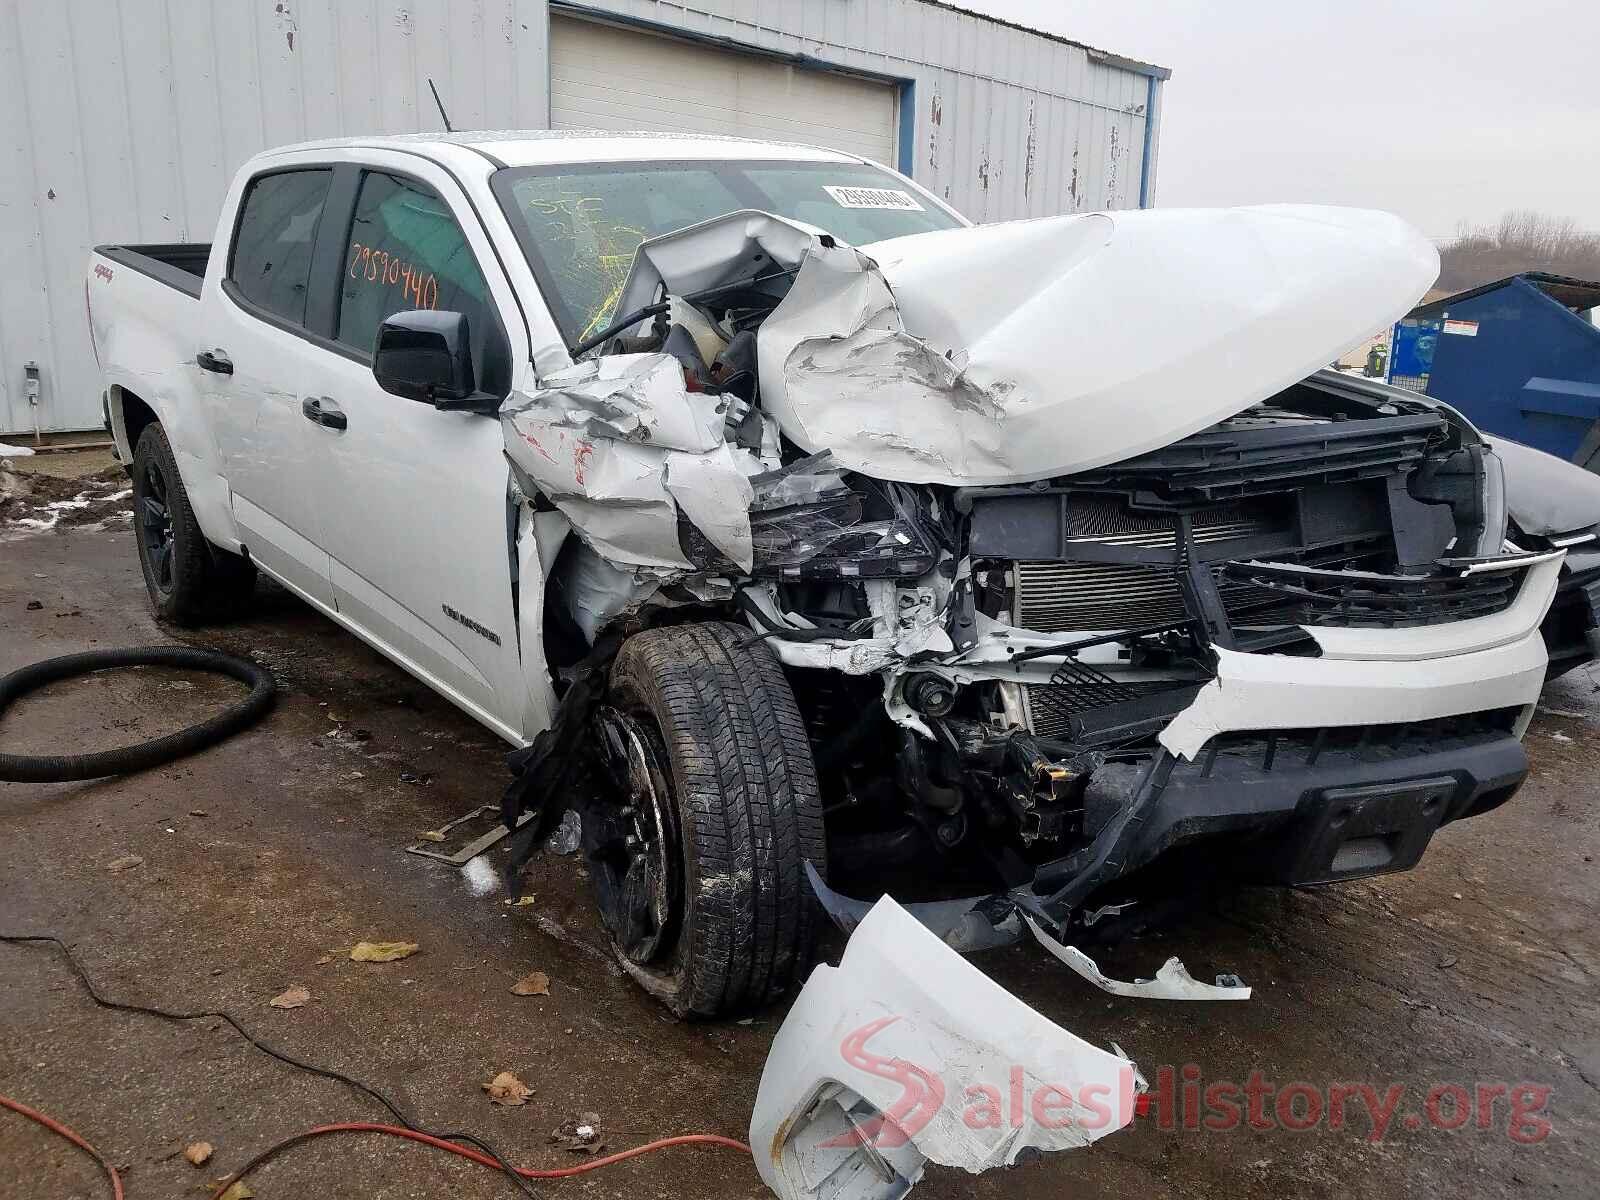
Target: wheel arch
[[129, 416], [193, 448]]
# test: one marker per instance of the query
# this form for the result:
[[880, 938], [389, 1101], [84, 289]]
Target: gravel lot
[[262, 861]]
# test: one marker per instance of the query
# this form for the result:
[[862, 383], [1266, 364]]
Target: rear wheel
[[700, 865], [188, 579]]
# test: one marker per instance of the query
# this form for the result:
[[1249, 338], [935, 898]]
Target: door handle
[[214, 360], [324, 412]]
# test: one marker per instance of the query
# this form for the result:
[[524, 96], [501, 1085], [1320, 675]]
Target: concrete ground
[[264, 859]]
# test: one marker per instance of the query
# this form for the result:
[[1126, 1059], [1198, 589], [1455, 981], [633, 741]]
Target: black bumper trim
[[1391, 805]]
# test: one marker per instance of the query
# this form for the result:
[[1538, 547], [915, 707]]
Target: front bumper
[[1380, 676], [1307, 811], [1333, 767]]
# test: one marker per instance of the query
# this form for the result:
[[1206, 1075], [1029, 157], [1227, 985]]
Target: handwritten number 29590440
[[379, 267]]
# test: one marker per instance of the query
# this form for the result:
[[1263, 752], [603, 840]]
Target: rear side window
[[277, 230], [407, 252]]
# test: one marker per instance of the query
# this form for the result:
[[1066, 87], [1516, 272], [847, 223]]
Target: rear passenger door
[[251, 359], [413, 501]]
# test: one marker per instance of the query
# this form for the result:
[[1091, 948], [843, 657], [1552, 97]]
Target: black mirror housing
[[427, 356]]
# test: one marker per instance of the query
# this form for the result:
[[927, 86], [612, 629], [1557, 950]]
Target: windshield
[[579, 225]]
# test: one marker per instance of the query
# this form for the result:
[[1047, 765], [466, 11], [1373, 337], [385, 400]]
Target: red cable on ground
[[483, 1159], [56, 1127], [594, 1164]]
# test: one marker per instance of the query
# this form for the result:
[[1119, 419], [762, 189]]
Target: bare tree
[[1522, 240]]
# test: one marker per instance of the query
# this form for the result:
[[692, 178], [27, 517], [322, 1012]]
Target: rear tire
[[723, 736], [189, 580]]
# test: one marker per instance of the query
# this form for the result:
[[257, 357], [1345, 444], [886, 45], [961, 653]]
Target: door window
[[405, 252], [271, 262]]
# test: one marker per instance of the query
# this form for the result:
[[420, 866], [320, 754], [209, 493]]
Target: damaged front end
[[1063, 587]]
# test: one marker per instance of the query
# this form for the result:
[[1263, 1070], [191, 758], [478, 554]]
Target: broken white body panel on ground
[[906, 1054]]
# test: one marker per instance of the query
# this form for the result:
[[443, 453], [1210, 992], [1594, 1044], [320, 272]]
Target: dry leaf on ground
[[534, 983], [292, 998], [124, 863], [239, 1191], [506, 1088], [324, 960], [382, 951], [431, 835], [520, 901], [197, 1152]]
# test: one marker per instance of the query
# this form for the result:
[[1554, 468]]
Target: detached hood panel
[[1019, 351]]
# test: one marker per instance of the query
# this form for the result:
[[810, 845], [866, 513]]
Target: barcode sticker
[[870, 197]]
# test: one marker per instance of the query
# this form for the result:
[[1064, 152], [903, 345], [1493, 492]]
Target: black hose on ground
[[56, 768]]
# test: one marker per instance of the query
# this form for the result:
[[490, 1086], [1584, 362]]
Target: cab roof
[[543, 147]]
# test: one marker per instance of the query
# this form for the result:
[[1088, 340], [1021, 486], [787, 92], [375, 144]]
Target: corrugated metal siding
[[126, 118], [1008, 123]]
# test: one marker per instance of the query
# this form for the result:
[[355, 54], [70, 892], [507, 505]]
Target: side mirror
[[427, 356]]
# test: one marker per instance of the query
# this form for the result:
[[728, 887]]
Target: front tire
[[700, 870], [189, 580]]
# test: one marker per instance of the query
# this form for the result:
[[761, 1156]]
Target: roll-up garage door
[[603, 77]]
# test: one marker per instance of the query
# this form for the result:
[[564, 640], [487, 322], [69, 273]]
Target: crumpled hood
[[995, 354], [1019, 351]]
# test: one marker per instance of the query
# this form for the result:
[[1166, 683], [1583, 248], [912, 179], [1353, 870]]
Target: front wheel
[[700, 863], [188, 579]]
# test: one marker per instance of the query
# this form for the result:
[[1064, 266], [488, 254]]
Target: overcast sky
[[1443, 112]]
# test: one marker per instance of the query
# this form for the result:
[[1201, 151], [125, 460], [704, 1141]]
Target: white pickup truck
[[796, 530]]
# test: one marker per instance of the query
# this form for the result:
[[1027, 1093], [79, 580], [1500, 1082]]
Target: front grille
[[1051, 709], [1077, 689], [1367, 599], [1056, 597]]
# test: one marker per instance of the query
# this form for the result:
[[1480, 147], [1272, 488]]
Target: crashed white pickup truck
[[796, 530]]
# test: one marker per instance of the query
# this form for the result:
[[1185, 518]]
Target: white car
[[793, 529]]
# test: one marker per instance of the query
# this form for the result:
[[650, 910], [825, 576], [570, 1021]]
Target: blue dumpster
[[1520, 357]]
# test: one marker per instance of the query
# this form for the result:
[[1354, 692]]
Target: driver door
[[414, 502]]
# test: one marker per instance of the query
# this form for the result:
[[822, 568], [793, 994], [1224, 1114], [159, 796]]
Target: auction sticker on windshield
[[871, 197]]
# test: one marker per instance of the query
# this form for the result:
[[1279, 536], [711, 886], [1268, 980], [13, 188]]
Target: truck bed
[[178, 264]]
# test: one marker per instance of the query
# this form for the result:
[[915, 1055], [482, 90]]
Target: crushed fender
[[603, 438], [905, 1054], [1172, 981]]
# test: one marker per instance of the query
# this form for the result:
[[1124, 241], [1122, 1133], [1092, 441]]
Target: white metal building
[[125, 119]]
